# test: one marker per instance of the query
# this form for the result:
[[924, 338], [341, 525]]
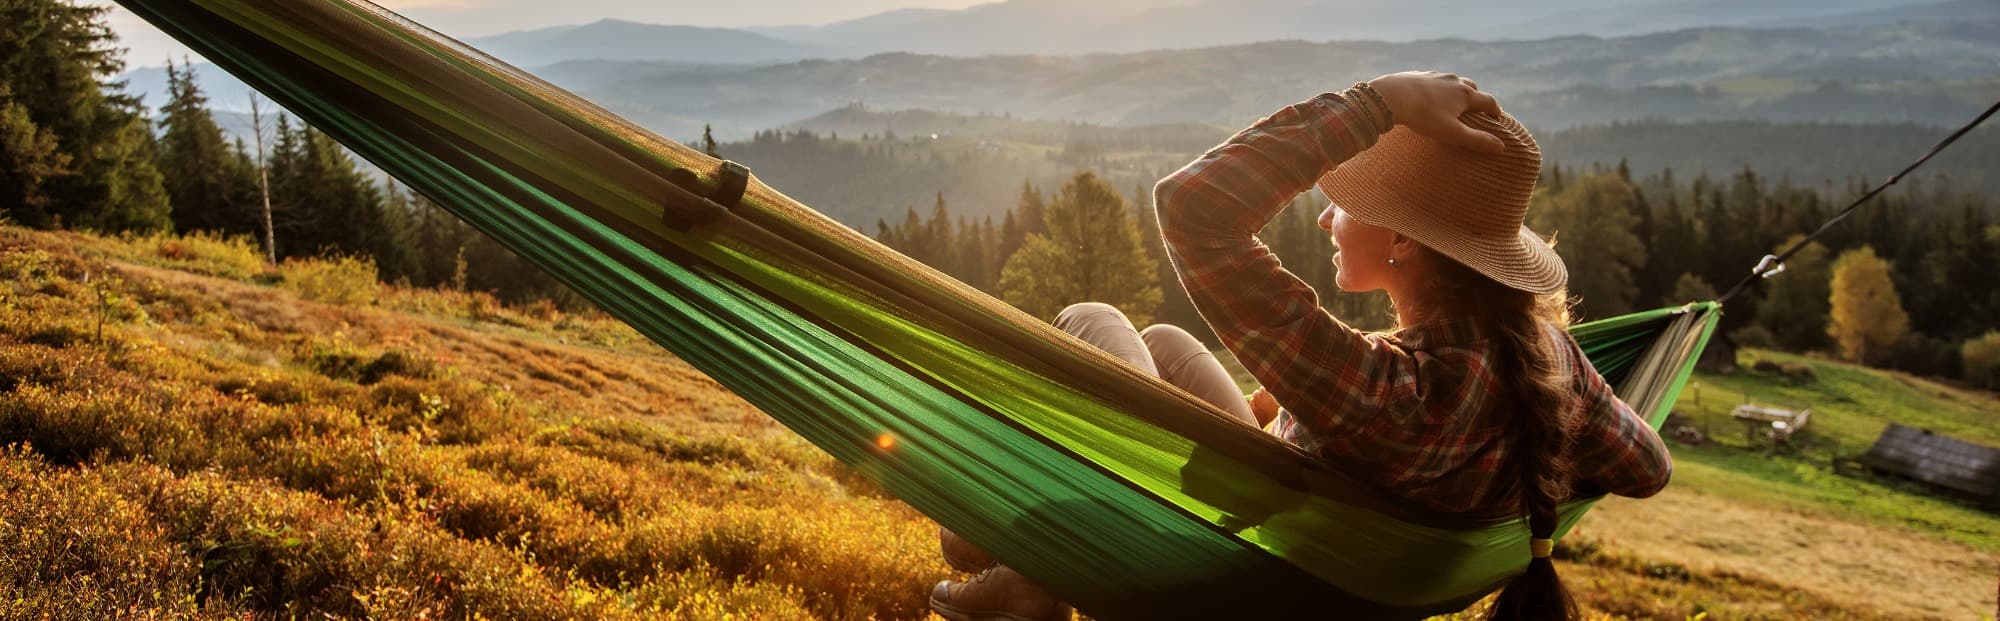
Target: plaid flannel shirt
[[1417, 412]]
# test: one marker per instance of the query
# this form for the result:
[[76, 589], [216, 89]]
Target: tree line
[[1898, 285], [78, 152]]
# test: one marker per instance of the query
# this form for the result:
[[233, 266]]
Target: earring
[[1392, 263]]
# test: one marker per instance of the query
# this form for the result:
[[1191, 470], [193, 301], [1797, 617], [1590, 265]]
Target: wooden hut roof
[[1937, 459]]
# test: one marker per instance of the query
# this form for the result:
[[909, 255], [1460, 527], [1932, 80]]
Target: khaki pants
[[1165, 351]]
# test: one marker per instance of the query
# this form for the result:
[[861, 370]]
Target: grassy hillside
[[189, 435], [206, 444], [1739, 505]]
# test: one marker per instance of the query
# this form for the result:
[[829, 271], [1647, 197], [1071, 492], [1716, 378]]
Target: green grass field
[[1851, 406], [188, 434]]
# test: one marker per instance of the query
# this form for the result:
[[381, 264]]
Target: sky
[[476, 18]]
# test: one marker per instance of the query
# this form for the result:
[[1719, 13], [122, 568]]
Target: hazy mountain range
[[1921, 72], [1063, 27], [1931, 72]]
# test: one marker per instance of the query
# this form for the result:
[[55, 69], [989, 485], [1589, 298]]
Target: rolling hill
[[1055, 27], [1912, 73], [616, 40], [1900, 71]]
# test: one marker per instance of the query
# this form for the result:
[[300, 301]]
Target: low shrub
[[31, 365], [1794, 372], [235, 257], [72, 426], [1920, 354], [343, 363], [849, 563], [292, 554], [267, 390], [72, 548], [1798, 372], [1981, 357], [607, 490], [449, 411], [1754, 336], [700, 592], [334, 280]]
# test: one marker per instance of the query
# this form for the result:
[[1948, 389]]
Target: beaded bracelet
[[1388, 116]]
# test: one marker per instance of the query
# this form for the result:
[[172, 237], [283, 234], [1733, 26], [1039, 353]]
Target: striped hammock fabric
[[1123, 495]]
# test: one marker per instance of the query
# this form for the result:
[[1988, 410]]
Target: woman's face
[[1361, 251]]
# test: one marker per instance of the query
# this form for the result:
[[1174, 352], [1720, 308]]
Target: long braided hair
[[1541, 421]]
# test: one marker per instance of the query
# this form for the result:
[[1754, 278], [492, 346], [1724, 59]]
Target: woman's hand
[[1263, 406], [1430, 103]]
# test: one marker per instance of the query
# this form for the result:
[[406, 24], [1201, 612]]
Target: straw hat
[[1466, 205]]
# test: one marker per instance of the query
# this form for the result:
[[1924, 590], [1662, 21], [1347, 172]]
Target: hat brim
[[1465, 205], [1525, 262]]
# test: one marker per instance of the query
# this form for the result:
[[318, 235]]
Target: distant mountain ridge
[[1927, 73], [1953, 11], [1061, 27], [612, 39], [1922, 72]]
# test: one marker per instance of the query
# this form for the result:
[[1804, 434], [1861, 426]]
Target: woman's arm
[[1211, 210], [1615, 450]]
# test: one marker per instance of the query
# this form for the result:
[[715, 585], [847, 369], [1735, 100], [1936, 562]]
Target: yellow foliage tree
[[1867, 315]]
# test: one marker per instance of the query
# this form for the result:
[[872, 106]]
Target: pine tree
[[1867, 316], [1010, 238], [56, 55], [915, 237], [886, 234], [938, 231], [1091, 253], [1958, 299], [1669, 251], [29, 160], [322, 203], [708, 141], [1031, 210], [988, 256], [1592, 220], [207, 181], [1795, 305]]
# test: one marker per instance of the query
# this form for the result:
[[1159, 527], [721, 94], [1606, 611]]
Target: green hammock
[[1081, 472]]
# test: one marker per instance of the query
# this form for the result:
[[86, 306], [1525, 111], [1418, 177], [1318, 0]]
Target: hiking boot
[[997, 594], [961, 554]]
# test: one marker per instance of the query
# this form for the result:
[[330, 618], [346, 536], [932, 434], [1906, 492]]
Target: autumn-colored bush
[[234, 257], [334, 280], [69, 548], [1981, 358]]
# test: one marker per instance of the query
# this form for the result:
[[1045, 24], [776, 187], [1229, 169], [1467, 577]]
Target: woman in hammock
[[1480, 402]]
